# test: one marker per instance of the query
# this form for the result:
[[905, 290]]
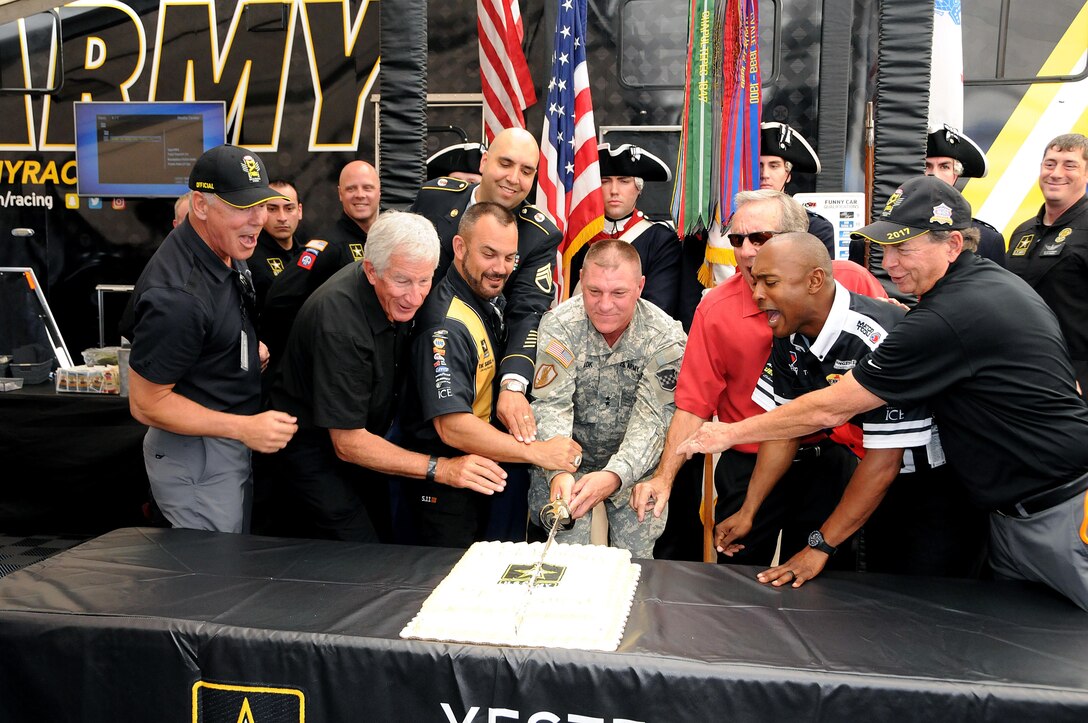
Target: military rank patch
[[666, 377], [356, 251], [317, 245], [558, 351], [545, 375], [543, 278], [530, 340], [1023, 245]]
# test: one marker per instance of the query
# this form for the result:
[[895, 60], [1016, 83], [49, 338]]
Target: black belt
[[812, 451], [1045, 500]]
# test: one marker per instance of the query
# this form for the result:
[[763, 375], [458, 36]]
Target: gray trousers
[[200, 483], [1050, 547]]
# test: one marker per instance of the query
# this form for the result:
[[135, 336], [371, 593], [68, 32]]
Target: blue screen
[[143, 149]]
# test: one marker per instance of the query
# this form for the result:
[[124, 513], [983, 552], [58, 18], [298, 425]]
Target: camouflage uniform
[[616, 402]]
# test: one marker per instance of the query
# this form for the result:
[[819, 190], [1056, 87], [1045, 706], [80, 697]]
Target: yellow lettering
[[180, 71], [111, 74], [12, 169], [329, 20], [31, 169], [50, 173], [68, 173], [96, 53]]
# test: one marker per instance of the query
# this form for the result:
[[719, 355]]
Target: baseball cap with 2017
[[920, 205], [234, 174]]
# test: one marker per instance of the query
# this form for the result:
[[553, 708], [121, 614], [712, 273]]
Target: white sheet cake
[[581, 600]]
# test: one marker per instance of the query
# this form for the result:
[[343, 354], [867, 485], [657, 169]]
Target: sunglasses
[[757, 238]]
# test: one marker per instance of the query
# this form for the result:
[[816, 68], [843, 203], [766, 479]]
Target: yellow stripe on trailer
[[1010, 192]]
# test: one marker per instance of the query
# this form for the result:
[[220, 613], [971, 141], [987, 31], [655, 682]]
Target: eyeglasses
[[757, 238], [248, 293]]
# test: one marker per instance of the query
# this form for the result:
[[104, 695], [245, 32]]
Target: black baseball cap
[[920, 205], [234, 174], [630, 160]]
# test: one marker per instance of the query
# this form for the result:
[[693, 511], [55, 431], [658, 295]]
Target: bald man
[[507, 171], [326, 253], [821, 330]]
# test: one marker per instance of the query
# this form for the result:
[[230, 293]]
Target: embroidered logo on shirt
[[1023, 244]]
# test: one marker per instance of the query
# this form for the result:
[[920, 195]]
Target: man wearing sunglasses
[[727, 349], [195, 371]]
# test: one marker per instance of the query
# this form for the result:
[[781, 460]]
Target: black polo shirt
[[344, 359], [317, 261], [269, 260], [193, 329], [1054, 261], [987, 355], [456, 350], [854, 327]]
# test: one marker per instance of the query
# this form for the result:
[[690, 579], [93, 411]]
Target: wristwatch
[[513, 385], [816, 539]]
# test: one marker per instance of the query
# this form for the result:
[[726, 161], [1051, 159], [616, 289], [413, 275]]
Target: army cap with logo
[[234, 174], [920, 205]]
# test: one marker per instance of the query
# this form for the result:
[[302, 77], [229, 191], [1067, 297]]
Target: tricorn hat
[[951, 143], [918, 206], [630, 160], [779, 139], [464, 157]]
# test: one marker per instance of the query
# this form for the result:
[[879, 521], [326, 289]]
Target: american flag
[[504, 74], [569, 179]]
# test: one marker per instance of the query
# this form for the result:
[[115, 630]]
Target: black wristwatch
[[432, 468], [816, 539]]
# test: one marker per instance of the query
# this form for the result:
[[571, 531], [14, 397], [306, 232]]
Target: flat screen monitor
[[143, 149]]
